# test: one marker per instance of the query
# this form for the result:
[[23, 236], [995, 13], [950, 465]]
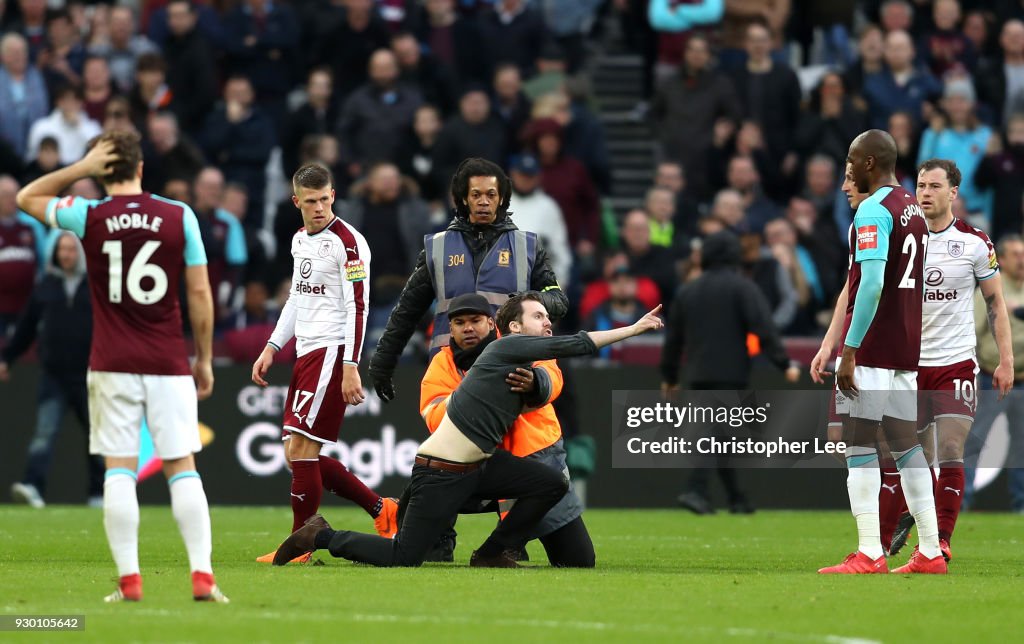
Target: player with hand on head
[[876, 376], [326, 314], [460, 461], [137, 246]]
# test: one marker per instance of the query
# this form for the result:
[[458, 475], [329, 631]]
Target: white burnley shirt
[[958, 258], [330, 294]]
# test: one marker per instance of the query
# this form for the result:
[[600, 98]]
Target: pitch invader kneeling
[[460, 462]]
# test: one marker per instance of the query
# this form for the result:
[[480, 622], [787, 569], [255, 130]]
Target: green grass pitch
[[662, 575]]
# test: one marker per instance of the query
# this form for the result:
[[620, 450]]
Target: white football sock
[[191, 511], [919, 492], [121, 519], [863, 481]]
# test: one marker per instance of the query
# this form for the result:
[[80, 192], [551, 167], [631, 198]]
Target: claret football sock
[[862, 482], [948, 496], [307, 489], [339, 481], [192, 512], [918, 491], [121, 519]]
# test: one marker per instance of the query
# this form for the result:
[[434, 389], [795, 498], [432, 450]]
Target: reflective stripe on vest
[[505, 269]]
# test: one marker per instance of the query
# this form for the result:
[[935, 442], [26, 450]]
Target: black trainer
[[505, 560], [695, 503]]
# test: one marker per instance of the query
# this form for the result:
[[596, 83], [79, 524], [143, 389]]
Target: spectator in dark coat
[[375, 117], [1002, 169], [671, 175], [509, 103], [156, 22], [97, 87], [416, 69], [63, 58], [169, 154], [944, 49], [151, 93], [31, 23], [870, 47], [685, 109], [123, 46], [900, 86], [191, 74], [345, 40], [583, 134], [454, 41], [566, 180], [513, 32], [318, 115], [239, 137], [999, 81], [261, 42], [417, 157], [654, 262], [386, 209], [473, 132], [830, 122], [742, 175], [768, 91]]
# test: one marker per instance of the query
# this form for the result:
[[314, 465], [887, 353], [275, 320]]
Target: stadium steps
[[617, 82]]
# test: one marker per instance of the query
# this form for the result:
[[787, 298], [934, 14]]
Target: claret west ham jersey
[[890, 226], [958, 258], [136, 247]]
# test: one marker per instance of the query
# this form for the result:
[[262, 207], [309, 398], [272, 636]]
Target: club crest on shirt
[[503, 257], [325, 248], [355, 270], [956, 248]]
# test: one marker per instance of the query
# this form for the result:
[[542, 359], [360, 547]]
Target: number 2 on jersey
[[910, 247], [138, 270]]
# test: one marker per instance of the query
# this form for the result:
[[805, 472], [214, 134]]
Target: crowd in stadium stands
[[752, 105]]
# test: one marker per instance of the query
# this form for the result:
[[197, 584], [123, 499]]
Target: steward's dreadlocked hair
[[477, 167]]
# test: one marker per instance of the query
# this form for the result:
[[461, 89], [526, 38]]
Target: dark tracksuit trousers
[[435, 498], [701, 476]]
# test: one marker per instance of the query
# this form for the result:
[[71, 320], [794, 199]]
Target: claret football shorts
[[314, 406]]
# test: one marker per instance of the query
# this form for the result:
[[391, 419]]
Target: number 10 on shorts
[[965, 391]]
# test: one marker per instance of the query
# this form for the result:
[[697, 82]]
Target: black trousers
[[570, 546], [435, 498]]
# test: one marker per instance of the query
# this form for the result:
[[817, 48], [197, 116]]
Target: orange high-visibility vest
[[531, 432]]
